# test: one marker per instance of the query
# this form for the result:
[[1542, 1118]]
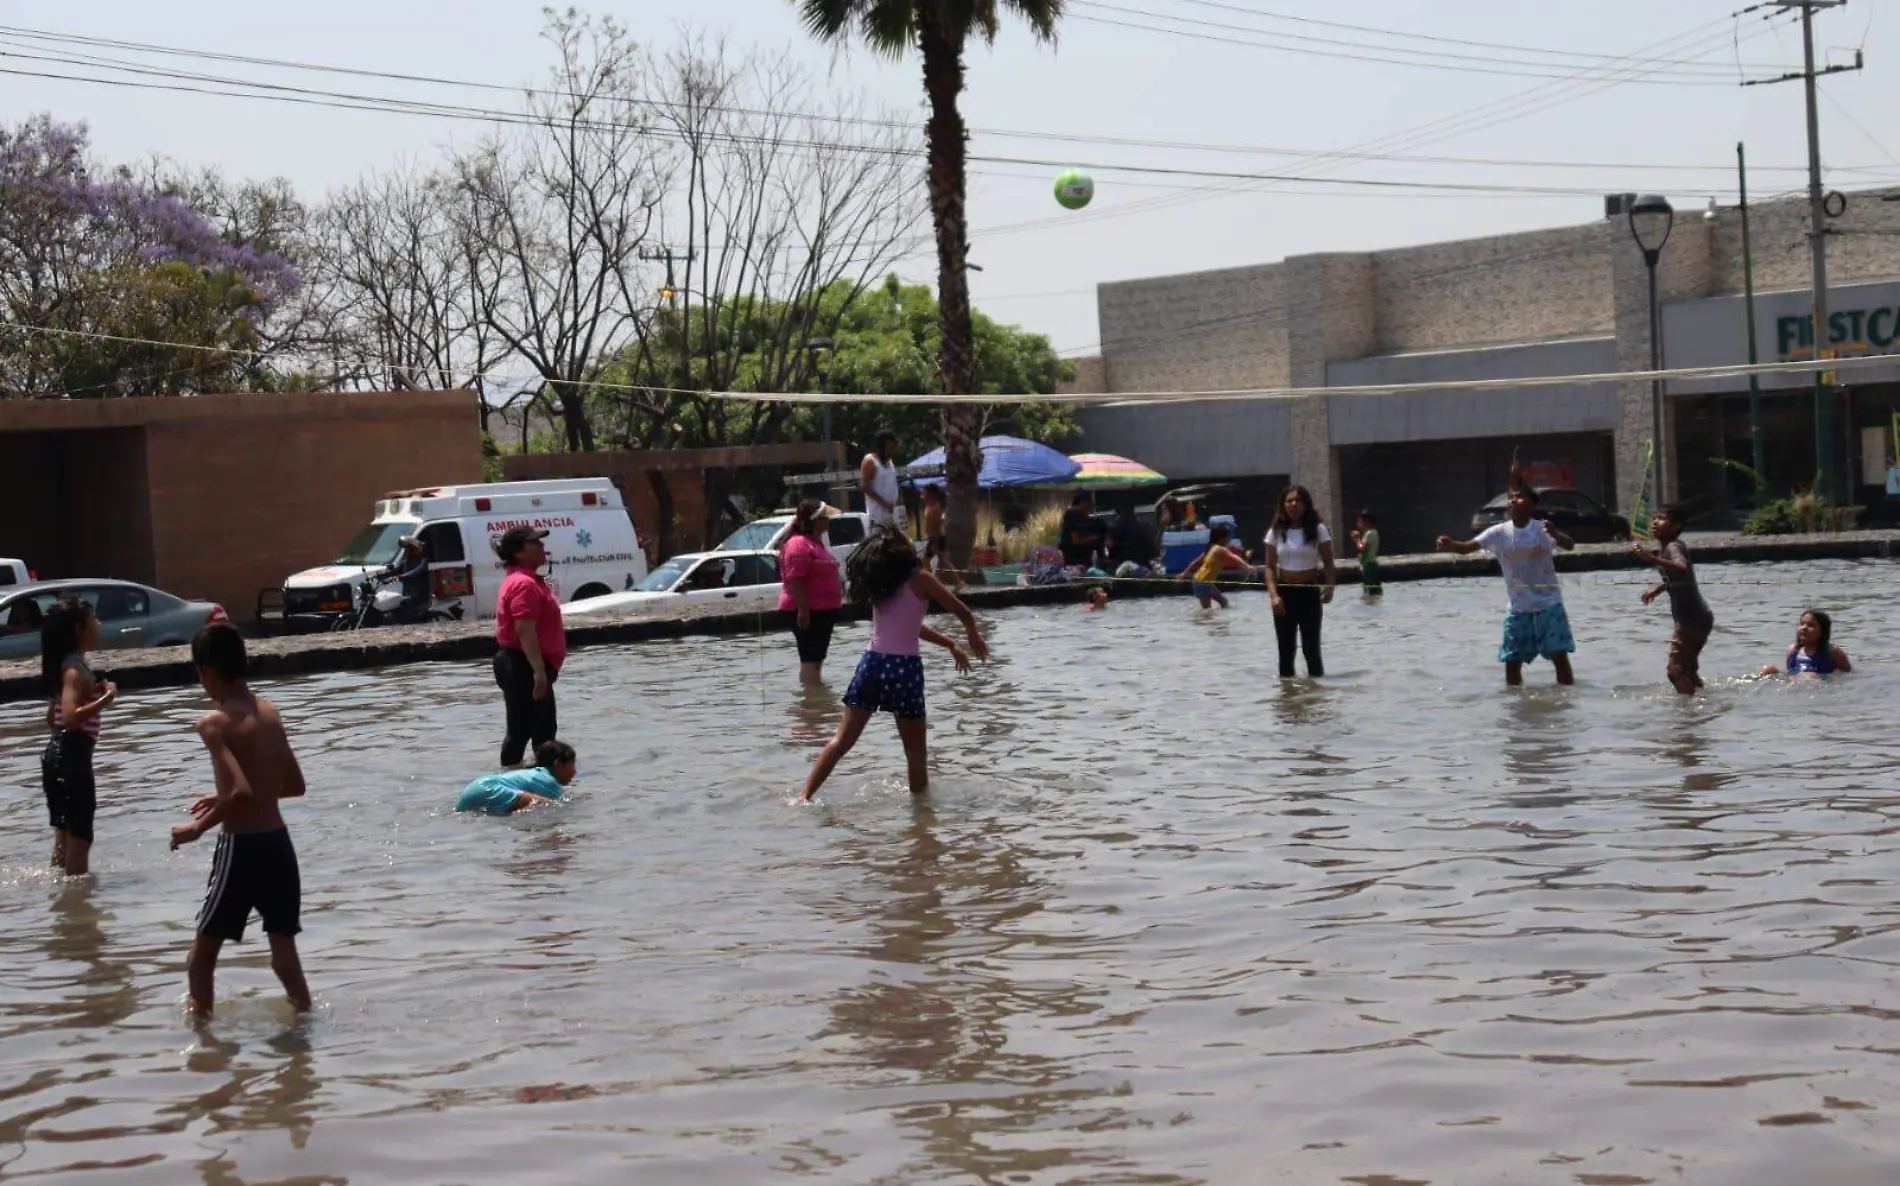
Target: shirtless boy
[[254, 867]]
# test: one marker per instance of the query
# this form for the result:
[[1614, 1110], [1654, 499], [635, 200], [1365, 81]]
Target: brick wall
[[1208, 331], [1512, 288], [242, 500], [219, 496]]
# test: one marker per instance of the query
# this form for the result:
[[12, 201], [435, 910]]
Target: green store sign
[[1850, 331]]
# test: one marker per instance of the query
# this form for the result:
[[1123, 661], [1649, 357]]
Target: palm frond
[[827, 20], [1042, 16], [888, 26]]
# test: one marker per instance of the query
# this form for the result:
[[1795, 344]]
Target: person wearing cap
[[411, 567], [877, 478], [531, 642], [813, 590]]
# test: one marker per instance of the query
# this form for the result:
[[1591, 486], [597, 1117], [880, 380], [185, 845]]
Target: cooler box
[[1182, 548]]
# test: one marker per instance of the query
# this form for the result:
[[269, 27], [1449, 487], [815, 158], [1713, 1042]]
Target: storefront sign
[[1863, 321], [1850, 331]]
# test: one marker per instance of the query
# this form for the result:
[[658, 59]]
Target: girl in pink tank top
[[886, 572]]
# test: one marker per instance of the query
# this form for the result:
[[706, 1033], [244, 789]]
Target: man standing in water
[[254, 867], [877, 479]]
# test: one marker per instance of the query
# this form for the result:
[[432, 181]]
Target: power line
[[1696, 40], [867, 121], [1456, 63], [306, 96], [1400, 34]]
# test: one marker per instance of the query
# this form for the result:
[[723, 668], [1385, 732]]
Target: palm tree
[[938, 29]]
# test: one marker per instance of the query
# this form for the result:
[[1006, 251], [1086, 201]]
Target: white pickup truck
[[15, 572]]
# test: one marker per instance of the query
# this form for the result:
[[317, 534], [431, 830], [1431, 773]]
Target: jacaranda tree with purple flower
[[109, 285]]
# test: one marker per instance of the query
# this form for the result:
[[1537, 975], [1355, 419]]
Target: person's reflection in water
[[1303, 703], [1540, 764], [104, 992], [944, 911], [276, 1093], [814, 714], [543, 860], [1688, 748]]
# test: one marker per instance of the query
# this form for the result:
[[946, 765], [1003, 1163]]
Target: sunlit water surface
[[1164, 919]]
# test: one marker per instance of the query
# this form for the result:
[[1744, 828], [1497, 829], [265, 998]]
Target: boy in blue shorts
[[522, 790], [1526, 550]]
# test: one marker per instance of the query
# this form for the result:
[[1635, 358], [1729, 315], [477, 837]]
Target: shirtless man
[[254, 867]]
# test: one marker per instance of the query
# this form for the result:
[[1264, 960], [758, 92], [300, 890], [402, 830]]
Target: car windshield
[[375, 544], [753, 537], [663, 578]]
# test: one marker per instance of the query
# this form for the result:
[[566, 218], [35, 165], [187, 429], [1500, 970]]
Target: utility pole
[[671, 294], [1818, 232], [1757, 448]]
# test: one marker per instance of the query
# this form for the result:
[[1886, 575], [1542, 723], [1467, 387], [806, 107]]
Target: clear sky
[[1105, 80]]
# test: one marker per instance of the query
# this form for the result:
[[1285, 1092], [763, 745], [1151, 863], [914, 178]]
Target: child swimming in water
[[886, 571], [510, 791], [254, 867], [1220, 558], [1813, 654], [1098, 599]]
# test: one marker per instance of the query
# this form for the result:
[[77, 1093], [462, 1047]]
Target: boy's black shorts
[[252, 871]]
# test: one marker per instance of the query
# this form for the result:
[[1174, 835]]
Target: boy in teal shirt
[[522, 790]]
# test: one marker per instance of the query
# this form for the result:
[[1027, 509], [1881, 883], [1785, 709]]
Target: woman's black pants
[[1304, 609], [530, 721]]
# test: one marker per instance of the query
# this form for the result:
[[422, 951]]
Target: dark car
[[130, 615], [1573, 512]]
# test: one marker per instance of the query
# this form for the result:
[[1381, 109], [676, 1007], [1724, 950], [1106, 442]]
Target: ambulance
[[593, 549]]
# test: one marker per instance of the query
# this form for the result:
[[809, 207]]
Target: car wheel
[[592, 591]]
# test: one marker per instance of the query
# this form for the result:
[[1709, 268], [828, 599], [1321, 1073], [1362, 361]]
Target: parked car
[[14, 572], [130, 615], [592, 547], [736, 580], [768, 535], [1573, 512]]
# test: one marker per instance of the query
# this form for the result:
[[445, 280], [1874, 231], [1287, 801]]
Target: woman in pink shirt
[[813, 590], [531, 642]]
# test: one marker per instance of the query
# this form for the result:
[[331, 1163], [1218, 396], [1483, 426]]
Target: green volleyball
[[1075, 189]]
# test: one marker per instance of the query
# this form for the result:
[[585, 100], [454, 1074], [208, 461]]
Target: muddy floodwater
[[1164, 919]]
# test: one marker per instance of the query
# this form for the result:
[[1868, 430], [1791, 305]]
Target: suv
[[14, 572], [847, 531]]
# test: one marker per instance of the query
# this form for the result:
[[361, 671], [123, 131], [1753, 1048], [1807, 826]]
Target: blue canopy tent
[[1010, 461]]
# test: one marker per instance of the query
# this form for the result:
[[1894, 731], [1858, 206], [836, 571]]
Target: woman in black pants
[[1299, 578], [532, 644]]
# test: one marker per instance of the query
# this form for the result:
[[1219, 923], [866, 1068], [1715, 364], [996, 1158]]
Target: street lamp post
[[1651, 220], [821, 348]]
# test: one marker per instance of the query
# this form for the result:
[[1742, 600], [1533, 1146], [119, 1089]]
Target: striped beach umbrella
[[1106, 469]]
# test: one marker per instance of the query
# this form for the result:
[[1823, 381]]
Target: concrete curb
[[277, 658]]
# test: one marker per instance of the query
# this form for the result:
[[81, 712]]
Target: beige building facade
[[1556, 303]]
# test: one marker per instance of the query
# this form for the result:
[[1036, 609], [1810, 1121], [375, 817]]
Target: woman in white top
[[1299, 578], [877, 478]]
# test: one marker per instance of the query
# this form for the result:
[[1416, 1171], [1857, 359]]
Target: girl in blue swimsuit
[[1813, 654]]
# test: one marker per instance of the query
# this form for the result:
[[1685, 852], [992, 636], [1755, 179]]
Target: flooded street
[[1164, 919]]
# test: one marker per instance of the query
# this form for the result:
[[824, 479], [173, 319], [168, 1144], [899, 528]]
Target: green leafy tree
[[886, 344], [938, 30]]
